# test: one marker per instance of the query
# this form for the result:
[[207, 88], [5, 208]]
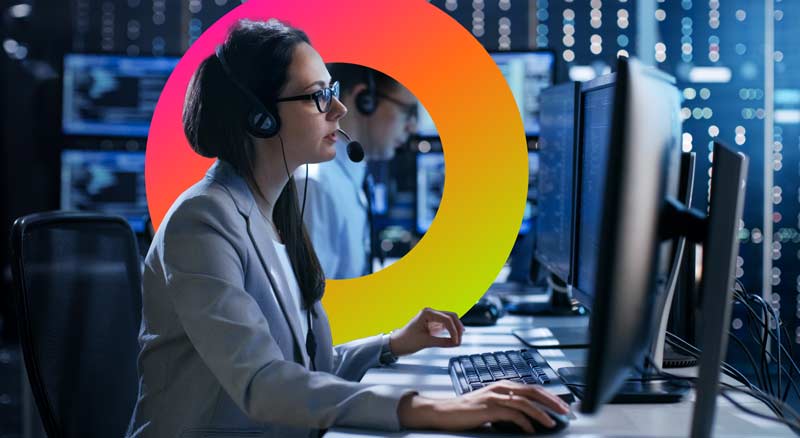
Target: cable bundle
[[771, 392]]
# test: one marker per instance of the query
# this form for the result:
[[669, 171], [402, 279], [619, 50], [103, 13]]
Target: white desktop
[[426, 371]]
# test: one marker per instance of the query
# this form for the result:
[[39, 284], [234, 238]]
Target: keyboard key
[[475, 386], [469, 370], [522, 367], [505, 364], [480, 366], [543, 376], [494, 367]]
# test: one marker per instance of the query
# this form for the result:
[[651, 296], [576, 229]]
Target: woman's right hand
[[500, 401]]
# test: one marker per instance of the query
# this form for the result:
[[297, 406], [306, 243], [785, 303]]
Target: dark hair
[[350, 75], [215, 123]]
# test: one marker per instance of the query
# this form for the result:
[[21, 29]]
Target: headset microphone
[[354, 149]]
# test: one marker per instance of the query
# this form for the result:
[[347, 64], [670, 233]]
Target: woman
[[234, 339]]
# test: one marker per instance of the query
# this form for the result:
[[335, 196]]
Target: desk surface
[[426, 372]]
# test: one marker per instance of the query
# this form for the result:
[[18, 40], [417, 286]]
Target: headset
[[261, 122], [367, 99]]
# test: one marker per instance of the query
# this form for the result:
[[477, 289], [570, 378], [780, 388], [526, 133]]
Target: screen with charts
[[430, 186], [556, 179], [105, 181], [527, 74], [596, 108], [112, 95]]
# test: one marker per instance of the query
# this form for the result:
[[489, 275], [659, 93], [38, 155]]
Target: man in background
[[338, 212]]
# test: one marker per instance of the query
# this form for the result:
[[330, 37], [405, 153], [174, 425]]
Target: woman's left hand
[[421, 332]]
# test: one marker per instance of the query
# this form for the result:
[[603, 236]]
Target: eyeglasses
[[322, 98], [410, 109]]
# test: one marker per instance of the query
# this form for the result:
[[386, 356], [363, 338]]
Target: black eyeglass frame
[[328, 93]]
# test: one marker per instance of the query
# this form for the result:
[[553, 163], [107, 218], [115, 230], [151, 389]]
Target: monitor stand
[[673, 359], [560, 302], [637, 389], [644, 387]]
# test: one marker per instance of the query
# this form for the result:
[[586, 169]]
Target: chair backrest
[[78, 298]]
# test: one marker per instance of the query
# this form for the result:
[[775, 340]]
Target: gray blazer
[[222, 352]]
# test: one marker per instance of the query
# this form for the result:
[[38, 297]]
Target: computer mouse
[[485, 312], [562, 421]]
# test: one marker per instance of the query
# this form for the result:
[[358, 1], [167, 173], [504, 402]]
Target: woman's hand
[[500, 401], [421, 332]]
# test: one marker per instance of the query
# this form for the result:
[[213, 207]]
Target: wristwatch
[[387, 357]]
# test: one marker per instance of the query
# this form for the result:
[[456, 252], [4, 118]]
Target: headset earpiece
[[367, 100], [261, 123]]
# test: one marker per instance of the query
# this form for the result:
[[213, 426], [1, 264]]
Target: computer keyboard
[[474, 371]]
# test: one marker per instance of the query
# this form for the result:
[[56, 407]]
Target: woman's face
[[308, 134]]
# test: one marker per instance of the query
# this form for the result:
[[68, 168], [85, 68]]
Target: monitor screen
[[527, 74], [596, 109], [430, 186], [555, 195], [531, 202], [112, 95], [425, 126], [107, 182]]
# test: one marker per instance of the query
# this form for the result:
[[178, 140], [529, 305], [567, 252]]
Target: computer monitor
[[112, 95], [637, 172], [531, 207], [105, 181], [640, 218], [425, 126], [430, 187], [527, 74], [717, 231], [594, 133], [720, 251], [614, 212], [554, 222]]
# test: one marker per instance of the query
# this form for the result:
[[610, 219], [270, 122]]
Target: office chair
[[78, 301]]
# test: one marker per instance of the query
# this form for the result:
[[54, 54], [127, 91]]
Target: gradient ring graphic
[[482, 138]]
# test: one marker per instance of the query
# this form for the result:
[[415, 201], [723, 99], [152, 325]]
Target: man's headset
[[367, 99]]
